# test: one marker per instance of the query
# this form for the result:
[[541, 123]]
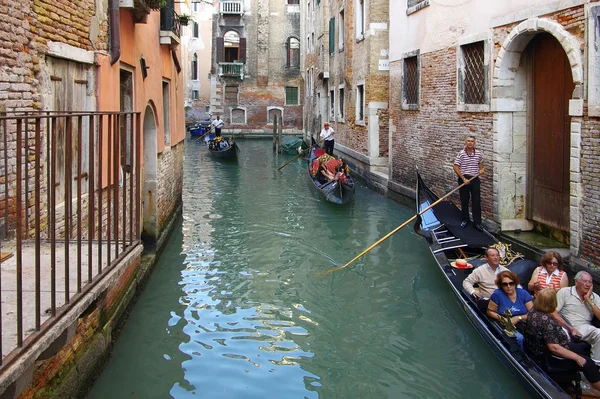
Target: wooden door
[[69, 82], [552, 88]]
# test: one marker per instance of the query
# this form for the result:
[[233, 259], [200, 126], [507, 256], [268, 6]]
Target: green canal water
[[237, 308]]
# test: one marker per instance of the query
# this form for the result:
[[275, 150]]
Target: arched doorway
[[149, 230], [537, 91]]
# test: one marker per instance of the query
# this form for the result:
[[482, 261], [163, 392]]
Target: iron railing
[[231, 69], [69, 211], [169, 21]]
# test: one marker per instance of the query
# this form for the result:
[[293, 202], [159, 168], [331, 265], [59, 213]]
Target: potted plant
[[184, 19]]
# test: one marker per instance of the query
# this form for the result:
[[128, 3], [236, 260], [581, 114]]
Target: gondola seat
[[563, 371]]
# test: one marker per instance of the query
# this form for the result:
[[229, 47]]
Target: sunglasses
[[553, 263], [507, 283]]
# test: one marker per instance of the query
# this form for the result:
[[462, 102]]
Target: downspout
[[115, 31]]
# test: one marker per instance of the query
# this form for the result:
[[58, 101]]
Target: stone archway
[[149, 230], [511, 136]]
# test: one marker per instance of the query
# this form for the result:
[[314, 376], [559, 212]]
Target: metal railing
[[169, 21], [69, 211], [231, 69], [231, 7]]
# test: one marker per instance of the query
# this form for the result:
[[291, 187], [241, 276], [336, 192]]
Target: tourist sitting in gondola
[[543, 334], [323, 174], [218, 144], [550, 274], [510, 296]]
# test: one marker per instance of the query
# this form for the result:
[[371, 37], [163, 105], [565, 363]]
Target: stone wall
[[169, 183]]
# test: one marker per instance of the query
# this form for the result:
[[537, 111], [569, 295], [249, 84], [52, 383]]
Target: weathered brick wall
[[431, 137], [170, 183]]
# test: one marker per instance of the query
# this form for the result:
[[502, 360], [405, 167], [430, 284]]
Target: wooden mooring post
[[277, 134]]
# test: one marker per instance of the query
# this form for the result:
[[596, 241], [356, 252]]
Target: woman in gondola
[[509, 296], [549, 274], [323, 175]]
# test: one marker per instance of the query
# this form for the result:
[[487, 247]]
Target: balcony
[[170, 28], [231, 70], [231, 7]]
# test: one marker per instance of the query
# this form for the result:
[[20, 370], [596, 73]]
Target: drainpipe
[[115, 31]]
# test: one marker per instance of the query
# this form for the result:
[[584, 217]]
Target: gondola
[[230, 152], [440, 225], [334, 191]]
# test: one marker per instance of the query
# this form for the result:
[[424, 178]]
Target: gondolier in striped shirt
[[469, 163]]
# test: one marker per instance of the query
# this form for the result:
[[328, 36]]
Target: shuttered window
[[332, 35], [291, 96]]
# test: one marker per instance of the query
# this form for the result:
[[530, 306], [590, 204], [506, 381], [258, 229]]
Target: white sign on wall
[[384, 65]]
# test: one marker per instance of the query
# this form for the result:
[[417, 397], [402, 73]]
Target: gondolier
[[327, 135], [469, 163], [218, 124]]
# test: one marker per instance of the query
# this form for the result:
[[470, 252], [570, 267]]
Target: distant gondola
[[230, 152], [447, 242], [333, 191]]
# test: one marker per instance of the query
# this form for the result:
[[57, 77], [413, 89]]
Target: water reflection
[[236, 307]]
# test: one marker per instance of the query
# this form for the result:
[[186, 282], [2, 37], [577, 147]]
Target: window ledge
[[341, 49], [473, 108], [417, 7], [360, 122], [410, 107], [360, 38]]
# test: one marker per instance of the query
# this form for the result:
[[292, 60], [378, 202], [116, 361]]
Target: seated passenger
[[323, 175], [344, 166], [339, 175], [557, 341], [332, 165], [224, 144], [314, 168], [485, 278], [509, 296], [550, 274]]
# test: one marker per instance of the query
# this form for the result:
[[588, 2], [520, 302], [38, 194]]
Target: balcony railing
[[170, 28], [231, 7], [69, 212], [231, 69]]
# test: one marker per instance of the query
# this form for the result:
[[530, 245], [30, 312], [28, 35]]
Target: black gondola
[[440, 225], [230, 152], [333, 191]]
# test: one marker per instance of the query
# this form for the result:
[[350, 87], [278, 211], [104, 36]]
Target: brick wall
[[169, 184]]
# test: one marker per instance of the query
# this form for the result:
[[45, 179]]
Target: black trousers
[[328, 144], [217, 132], [471, 191]]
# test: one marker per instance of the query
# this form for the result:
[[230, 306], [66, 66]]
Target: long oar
[[189, 144], [285, 164], [388, 235]]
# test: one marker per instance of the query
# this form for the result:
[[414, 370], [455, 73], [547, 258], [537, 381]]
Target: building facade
[[346, 69], [522, 77], [256, 66]]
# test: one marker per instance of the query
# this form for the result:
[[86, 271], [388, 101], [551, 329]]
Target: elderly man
[[485, 277], [578, 305]]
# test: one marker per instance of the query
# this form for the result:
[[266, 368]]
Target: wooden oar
[[285, 164], [388, 235], [189, 144]]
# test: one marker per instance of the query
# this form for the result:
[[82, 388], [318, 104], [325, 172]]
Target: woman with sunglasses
[[509, 296], [549, 274]]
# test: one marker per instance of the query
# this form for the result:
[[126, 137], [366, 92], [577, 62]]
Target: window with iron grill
[[291, 96], [474, 73], [411, 80]]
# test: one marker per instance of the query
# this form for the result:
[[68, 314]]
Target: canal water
[[238, 307]]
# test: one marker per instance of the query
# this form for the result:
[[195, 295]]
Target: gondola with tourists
[[339, 190], [222, 148], [448, 242]]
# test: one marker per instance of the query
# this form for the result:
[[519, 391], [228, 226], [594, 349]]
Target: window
[[472, 74], [415, 5], [166, 112], [341, 103], [293, 52], [332, 105], [331, 35], [341, 30], [291, 96], [360, 103], [411, 83], [360, 19], [195, 67], [293, 1], [231, 47], [238, 116], [273, 112], [312, 37], [196, 30], [195, 94]]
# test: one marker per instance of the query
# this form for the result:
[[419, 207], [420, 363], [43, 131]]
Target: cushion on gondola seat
[[523, 268], [319, 152]]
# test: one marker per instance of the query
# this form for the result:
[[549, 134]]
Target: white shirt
[[218, 123], [327, 134]]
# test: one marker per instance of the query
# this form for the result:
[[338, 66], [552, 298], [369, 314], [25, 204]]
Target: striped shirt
[[469, 164]]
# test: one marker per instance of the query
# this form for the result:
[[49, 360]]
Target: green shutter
[[332, 35]]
